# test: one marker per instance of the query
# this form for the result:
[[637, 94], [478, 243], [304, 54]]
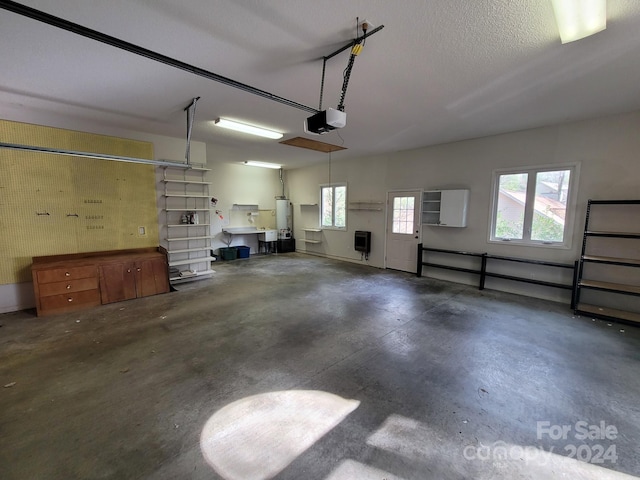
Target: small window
[[333, 213], [403, 215], [531, 206]]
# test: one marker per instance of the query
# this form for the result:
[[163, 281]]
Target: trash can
[[229, 253]]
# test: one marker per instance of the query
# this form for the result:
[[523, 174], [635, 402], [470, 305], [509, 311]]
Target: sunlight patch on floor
[[421, 444], [351, 470], [256, 437]]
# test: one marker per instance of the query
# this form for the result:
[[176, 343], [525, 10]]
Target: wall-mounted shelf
[[368, 205], [190, 182], [312, 235], [245, 207], [184, 195], [188, 239], [188, 225], [187, 209]]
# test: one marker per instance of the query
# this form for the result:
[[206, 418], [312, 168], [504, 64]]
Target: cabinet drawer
[[60, 303], [69, 286], [71, 273]]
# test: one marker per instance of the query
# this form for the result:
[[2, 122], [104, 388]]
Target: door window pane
[[403, 215]]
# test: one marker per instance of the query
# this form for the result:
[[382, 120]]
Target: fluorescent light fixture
[[253, 163], [579, 18], [243, 127]]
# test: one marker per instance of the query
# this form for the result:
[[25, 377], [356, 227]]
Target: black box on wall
[[362, 241]]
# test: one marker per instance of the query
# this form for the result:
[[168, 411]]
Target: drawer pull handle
[[67, 274], [128, 270], [69, 299], [139, 269], [68, 287]]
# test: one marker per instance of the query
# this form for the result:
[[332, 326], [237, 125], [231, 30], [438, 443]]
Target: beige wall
[[57, 204], [607, 150], [134, 184]]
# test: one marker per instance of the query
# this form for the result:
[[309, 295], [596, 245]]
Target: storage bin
[[229, 253], [243, 251]]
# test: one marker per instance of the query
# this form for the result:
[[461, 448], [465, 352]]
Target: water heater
[[284, 223]]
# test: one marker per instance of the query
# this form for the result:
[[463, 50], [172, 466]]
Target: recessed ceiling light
[[251, 129], [253, 163]]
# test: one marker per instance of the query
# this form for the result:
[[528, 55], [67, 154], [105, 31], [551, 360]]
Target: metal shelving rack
[[188, 244], [611, 257]]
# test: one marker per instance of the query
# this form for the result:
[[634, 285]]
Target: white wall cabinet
[[445, 208]]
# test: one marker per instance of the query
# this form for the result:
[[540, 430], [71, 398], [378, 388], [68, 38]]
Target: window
[[333, 199], [530, 206], [403, 214]]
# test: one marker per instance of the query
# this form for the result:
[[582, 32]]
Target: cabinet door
[[151, 276], [117, 282], [453, 208]]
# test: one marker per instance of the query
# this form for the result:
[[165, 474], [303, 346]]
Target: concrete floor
[[428, 379]]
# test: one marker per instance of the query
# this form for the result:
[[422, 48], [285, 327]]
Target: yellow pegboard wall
[[55, 204]]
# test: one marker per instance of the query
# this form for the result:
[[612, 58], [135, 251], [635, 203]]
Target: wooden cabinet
[[132, 279], [64, 283]]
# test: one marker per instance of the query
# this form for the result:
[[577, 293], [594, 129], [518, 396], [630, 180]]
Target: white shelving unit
[[445, 208], [187, 221], [312, 235]]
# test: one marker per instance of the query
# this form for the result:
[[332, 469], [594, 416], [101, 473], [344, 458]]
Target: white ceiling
[[439, 71]]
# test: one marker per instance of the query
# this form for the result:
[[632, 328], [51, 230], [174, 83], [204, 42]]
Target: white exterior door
[[403, 231]]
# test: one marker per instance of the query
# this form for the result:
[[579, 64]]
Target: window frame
[[333, 187], [532, 172]]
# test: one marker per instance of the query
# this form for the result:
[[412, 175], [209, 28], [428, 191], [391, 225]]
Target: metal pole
[[130, 47], [98, 156]]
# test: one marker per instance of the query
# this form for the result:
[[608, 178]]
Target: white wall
[[366, 181], [240, 184], [607, 149]]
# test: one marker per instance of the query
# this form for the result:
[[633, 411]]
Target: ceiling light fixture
[[251, 129], [577, 19], [252, 163]]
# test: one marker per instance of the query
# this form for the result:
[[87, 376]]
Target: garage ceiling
[[439, 70]]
